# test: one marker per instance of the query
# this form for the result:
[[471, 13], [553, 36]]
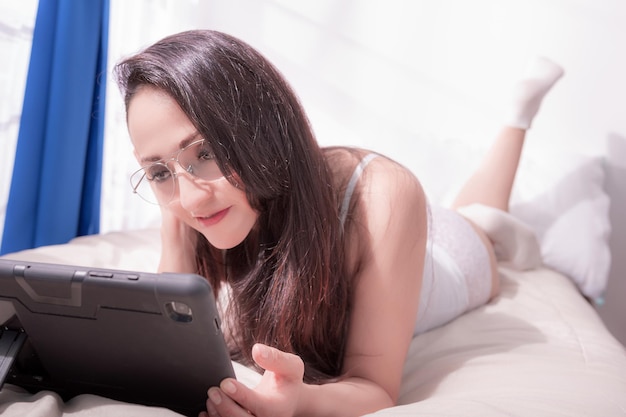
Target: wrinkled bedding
[[539, 349]]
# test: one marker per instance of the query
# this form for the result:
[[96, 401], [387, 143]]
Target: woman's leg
[[492, 182]]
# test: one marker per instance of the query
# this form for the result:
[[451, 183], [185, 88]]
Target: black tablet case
[[145, 338]]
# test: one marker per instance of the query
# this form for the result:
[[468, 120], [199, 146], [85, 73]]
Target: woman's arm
[[387, 290], [383, 317], [281, 392], [178, 244]]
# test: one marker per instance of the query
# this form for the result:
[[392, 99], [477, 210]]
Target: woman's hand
[[178, 244], [277, 395]]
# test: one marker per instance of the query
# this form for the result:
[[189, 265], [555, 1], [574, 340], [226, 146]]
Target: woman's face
[[159, 129]]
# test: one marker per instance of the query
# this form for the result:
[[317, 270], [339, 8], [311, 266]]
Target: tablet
[[146, 338]]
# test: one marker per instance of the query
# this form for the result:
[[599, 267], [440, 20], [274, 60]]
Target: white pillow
[[562, 197]]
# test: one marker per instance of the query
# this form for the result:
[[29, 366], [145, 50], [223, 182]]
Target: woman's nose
[[191, 194]]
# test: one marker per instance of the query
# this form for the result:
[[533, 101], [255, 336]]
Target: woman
[[321, 252]]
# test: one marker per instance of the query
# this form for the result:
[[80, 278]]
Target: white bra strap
[[343, 213]]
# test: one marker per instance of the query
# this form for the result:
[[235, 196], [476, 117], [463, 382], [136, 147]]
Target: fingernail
[[265, 352], [229, 387], [215, 396]]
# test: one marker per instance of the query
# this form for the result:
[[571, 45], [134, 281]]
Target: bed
[[538, 349]]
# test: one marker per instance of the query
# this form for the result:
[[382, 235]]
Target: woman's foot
[[529, 92]]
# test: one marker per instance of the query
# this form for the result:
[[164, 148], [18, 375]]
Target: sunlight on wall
[[401, 64]]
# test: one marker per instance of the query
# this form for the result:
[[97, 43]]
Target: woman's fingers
[[231, 398], [285, 366], [276, 395]]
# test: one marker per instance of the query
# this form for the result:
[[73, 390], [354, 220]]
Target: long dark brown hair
[[290, 284]]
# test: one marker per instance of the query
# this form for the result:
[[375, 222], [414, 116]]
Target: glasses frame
[[165, 162]]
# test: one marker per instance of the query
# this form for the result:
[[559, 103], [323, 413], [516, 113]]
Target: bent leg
[[492, 182]]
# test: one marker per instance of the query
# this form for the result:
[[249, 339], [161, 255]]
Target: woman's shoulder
[[372, 169], [371, 165], [386, 181], [383, 188], [387, 205]]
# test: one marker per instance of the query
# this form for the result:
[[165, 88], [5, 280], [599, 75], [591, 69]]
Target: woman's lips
[[214, 218]]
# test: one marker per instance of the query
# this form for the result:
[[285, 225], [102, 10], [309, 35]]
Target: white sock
[[515, 244], [528, 92]]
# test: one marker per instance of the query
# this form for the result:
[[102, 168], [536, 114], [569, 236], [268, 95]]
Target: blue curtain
[[55, 188]]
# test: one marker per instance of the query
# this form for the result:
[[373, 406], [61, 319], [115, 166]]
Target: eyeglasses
[[156, 182]]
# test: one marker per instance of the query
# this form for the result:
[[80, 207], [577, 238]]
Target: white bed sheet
[[539, 349]]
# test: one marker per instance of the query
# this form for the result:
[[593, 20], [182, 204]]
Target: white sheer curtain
[[17, 20], [134, 25]]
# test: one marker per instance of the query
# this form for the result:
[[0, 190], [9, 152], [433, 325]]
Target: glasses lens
[[198, 159], [154, 183]]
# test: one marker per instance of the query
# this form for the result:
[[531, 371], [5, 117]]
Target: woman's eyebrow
[[189, 139], [186, 141]]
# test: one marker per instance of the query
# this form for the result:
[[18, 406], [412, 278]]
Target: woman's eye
[[206, 155], [158, 174]]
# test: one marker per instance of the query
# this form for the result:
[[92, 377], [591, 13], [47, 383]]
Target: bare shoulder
[[387, 178], [392, 200], [383, 186], [388, 204]]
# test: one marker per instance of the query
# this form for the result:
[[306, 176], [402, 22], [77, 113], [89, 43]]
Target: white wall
[[389, 74]]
